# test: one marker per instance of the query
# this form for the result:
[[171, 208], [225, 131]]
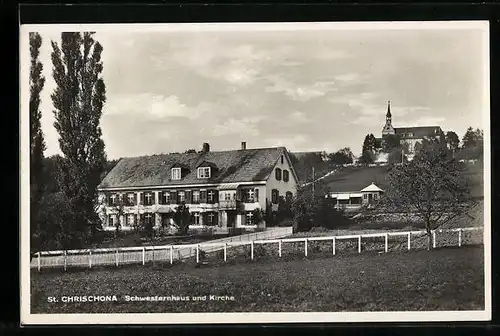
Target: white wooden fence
[[143, 254]]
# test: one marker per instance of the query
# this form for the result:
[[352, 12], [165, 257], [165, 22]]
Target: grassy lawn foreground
[[443, 279]]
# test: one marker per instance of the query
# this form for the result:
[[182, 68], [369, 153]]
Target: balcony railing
[[229, 205]]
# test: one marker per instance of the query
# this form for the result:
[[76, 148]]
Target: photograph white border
[[231, 318]]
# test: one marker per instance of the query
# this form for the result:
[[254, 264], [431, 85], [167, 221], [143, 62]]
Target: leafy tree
[[469, 139], [390, 142], [367, 157], [452, 140], [37, 143], [396, 156], [341, 157], [430, 187], [368, 149], [78, 100], [182, 218], [57, 218]]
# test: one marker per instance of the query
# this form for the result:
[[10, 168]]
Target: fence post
[[305, 247], [279, 248], [359, 244], [251, 250], [116, 254], [333, 245], [409, 241], [90, 259], [434, 239], [197, 253], [153, 251], [386, 242], [171, 254], [225, 252], [38, 261], [459, 237], [65, 259], [143, 255]]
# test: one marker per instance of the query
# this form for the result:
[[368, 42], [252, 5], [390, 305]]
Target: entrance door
[[231, 218], [370, 198]]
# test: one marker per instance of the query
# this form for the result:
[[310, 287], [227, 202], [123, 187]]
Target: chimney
[[243, 145], [206, 147]]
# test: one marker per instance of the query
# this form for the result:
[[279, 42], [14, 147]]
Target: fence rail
[[143, 254]]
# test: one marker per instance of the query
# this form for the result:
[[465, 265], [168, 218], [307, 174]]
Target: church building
[[409, 135]]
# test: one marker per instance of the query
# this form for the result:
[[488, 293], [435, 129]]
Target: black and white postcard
[[255, 172]]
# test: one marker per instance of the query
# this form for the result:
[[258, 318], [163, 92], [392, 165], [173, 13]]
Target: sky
[[316, 89]]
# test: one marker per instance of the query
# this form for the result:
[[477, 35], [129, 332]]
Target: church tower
[[388, 129]]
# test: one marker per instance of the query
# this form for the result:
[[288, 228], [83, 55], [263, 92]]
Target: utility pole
[[313, 181]]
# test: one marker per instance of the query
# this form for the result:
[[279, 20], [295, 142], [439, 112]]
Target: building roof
[[371, 188], [418, 132], [232, 166]]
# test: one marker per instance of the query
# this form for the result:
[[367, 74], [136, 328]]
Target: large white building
[[221, 189]]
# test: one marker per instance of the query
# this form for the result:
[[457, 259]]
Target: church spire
[[388, 129]]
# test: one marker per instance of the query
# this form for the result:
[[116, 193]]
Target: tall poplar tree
[[37, 144], [78, 100]]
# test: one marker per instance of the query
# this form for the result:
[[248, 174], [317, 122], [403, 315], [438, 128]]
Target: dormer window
[[204, 172], [176, 173]]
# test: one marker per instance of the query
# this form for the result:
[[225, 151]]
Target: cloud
[[290, 141], [244, 126], [298, 92], [348, 77], [152, 106]]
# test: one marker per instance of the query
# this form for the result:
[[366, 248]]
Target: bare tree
[[432, 187]]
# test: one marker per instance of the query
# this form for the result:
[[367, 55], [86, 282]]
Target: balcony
[[229, 205]]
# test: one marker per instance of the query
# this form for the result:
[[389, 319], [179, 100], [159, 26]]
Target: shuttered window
[[286, 175], [256, 195], [275, 194], [278, 174], [203, 196]]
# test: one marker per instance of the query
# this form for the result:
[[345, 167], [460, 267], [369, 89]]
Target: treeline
[[322, 162]]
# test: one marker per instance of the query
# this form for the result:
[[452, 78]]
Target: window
[[148, 219], [176, 173], [375, 196], [166, 197], [281, 159], [182, 196], [131, 199], [227, 196], [288, 196], [196, 196], [249, 218], [204, 172], [148, 198], [111, 220], [211, 196], [278, 174], [112, 199], [120, 198], [196, 217], [275, 195], [249, 196], [286, 175], [211, 219], [365, 196]]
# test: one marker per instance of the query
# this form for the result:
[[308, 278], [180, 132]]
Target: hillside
[[355, 178]]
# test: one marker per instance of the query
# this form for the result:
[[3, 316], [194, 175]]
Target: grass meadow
[[417, 280]]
